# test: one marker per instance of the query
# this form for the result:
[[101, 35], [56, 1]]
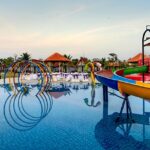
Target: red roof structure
[[82, 61], [136, 58], [56, 57], [37, 60], [146, 62]]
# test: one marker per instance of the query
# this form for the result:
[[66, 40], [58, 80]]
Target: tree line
[[113, 58]]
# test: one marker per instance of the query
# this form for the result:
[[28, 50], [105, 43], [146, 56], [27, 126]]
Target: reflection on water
[[115, 135], [19, 117], [57, 91], [92, 102], [109, 138], [70, 122], [17, 110]]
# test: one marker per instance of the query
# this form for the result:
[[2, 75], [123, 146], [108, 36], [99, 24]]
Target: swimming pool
[[70, 116]]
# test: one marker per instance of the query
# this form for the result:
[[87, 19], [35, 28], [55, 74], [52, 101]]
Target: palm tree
[[75, 61], [8, 61], [114, 56], [25, 56], [68, 56], [103, 62]]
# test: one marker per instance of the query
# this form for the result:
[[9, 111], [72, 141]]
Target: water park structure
[[27, 73], [125, 82]]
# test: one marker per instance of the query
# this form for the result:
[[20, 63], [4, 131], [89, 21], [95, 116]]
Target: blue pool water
[[71, 117]]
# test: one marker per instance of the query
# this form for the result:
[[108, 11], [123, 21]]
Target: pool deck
[[11, 81]]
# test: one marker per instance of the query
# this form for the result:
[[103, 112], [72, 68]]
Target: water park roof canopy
[[146, 62], [56, 57], [82, 61], [136, 58]]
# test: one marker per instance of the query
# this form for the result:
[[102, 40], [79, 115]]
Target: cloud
[[72, 12]]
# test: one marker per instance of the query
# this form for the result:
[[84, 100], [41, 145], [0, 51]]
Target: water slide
[[125, 82]]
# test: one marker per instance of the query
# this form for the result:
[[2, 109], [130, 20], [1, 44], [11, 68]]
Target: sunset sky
[[90, 28]]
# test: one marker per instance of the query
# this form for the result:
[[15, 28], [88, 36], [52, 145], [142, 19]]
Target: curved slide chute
[[118, 81]]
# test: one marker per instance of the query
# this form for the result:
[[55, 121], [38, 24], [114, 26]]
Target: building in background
[[57, 63]]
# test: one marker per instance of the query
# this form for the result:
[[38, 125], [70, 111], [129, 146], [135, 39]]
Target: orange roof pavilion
[[136, 58], [56, 57]]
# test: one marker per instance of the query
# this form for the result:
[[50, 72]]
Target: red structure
[[137, 58], [146, 62], [139, 77], [57, 59]]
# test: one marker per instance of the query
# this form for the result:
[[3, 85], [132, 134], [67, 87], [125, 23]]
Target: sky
[[88, 28]]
